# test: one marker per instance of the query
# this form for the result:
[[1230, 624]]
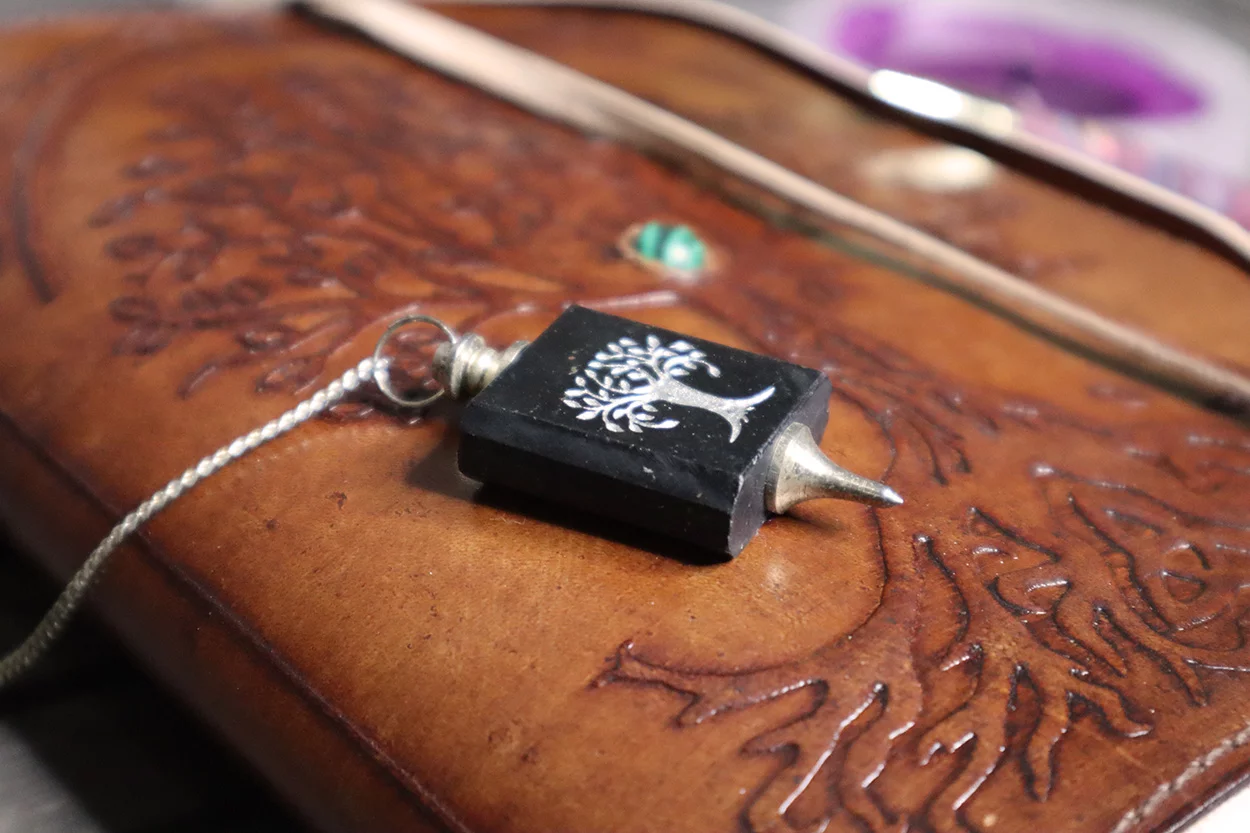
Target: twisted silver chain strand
[[45, 633]]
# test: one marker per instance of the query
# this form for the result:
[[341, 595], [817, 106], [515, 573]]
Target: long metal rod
[[987, 120], [558, 92]]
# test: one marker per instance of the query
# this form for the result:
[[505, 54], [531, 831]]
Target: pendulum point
[[622, 419], [799, 471]]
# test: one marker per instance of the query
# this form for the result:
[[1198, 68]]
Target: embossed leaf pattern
[[622, 383], [379, 206]]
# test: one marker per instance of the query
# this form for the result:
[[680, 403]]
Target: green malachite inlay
[[676, 247]]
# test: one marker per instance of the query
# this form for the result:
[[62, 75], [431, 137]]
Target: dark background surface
[[88, 744]]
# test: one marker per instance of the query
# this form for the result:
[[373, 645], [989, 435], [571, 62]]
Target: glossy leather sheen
[[207, 217]]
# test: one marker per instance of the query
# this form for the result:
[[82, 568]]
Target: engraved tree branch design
[[249, 199], [290, 214], [622, 384]]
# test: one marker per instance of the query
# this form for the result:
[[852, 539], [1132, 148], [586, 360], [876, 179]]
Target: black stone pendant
[[667, 432]]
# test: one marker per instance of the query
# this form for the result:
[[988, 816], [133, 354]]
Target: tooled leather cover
[[206, 217]]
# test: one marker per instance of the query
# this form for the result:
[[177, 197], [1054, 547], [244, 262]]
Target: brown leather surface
[[208, 218]]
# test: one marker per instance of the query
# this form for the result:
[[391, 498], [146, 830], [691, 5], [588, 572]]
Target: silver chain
[[53, 623]]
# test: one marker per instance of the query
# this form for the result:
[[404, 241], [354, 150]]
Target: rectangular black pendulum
[[657, 429]]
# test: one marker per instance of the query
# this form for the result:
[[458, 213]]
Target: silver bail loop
[[462, 366], [382, 364]]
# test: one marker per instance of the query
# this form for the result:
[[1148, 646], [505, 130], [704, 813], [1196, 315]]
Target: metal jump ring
[[381, 373]]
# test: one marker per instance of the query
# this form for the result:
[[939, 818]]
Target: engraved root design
[[622, 384], [1072, 617], [862, 685]]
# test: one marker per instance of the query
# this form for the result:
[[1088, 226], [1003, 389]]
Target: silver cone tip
[[799, 471], [889, 497]]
